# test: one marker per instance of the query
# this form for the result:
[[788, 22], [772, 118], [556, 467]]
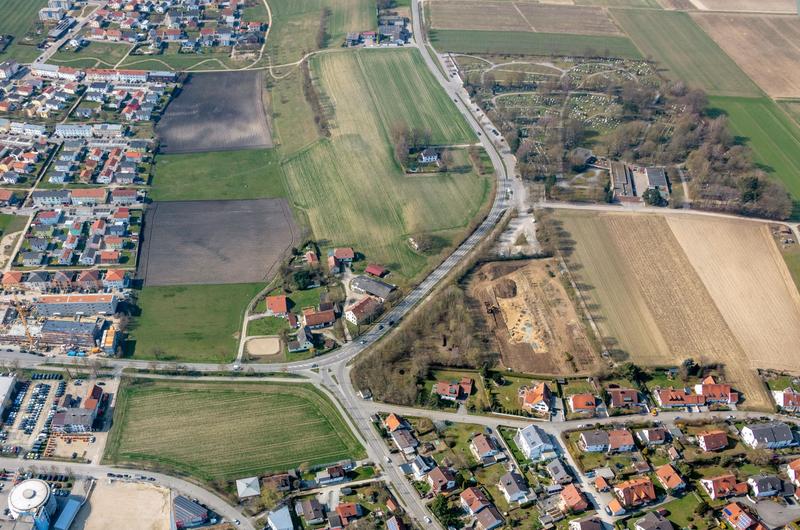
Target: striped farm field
[[529, 43], [349, 187], [226, 431], [17, 17], [685, 51]]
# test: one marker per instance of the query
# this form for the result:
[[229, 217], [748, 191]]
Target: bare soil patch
[[755, 6], [521, 16], [681, 5], [118, 505], [219, 111], [533, 319], [214, 242], [766, 47], [264, 346]]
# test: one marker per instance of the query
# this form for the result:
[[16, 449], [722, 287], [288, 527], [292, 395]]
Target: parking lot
[[31, 412]]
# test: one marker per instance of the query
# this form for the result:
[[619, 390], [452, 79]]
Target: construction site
[[535, 324], [31, 325]]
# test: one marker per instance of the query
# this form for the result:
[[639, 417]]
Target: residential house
[[484, 447], [395, 523], [38, 281], [652, 436], [420, 466], [793, 470], [558, 472], [394, 422], [765, 485], [311, 511], [488, 519], [653, 521], [277, 306], [712, 440], [615, 508], [590, 523], [303, 341], [115, 279], [405, 441], [594, 441], [441, 479], [513, 487], [788, 400], [620, 441], [572, 500], [669, 478], [428, 156], [635, 492], [583, 403], [363, 311], [740, 518], [32, 259], [330, 475], [714, 392], [50, 197], [533, 442], [452, 391], [318, 319], [474, 500], [674, 398], [538, 399], [723, 486], [348, 512], [772, 435], [89, 196], [280, 519], [623, 398]]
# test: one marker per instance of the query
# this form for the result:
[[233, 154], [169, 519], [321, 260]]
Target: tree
[[652, 197], [442, 510], [270, 496]]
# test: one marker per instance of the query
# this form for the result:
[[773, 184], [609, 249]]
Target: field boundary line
[[528, 22]]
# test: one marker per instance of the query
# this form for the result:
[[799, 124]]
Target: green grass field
[[685, 51], [528, 43], [267, 326], [295, 25], [93, 55], [190, 323], [770, 132], [226, 431], [170, 59], [19, 17], [350, 187], [218, 175], [11, 223]]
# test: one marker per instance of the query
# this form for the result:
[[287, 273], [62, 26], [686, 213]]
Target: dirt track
[[119, 505], [765, 6]]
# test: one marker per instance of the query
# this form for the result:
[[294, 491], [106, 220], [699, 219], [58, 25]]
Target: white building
[[533, 442], [773, 435], [6, 390], [280, 519], [31, 500]]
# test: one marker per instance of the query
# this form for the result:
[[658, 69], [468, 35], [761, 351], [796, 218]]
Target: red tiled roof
[[669, 478], [713, 440], [635, 492], [582, 402], [375, 270], [277, 304], [343, 253]]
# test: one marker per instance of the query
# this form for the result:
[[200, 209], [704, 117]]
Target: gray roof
[[82, 417], [557, 471], [404, 439], [766, 482], [654, 521], [534, 436], [656, 177], [68, 326], [513, 483], [772, 432], [61, 194], [597, 437], [372, 286], [591, 523]]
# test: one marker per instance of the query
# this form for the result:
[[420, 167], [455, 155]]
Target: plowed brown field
[[663, 290]]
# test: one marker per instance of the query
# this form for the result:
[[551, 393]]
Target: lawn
[[93, 55], [349, 186], [181, 427], [189, 323], [685, 51], [217, 58], [267, 326], [19, 17], [528, 43], [218, 175], [773, 136], [11, 223]]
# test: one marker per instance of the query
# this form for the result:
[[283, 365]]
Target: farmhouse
[[363, 311], [537, 399], [428, 156], [773, 435], [712, 440], [277, 306], [315, 319], [723, 486], [372, 286], [303, 341], [635, 492], [533, 442]]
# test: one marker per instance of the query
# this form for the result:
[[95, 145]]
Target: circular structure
[[29, 497]]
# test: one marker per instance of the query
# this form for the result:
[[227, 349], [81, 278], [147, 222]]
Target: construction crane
[[22, 314]]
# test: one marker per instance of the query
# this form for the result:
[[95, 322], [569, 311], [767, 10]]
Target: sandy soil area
[[125, 506], [264, 346]]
